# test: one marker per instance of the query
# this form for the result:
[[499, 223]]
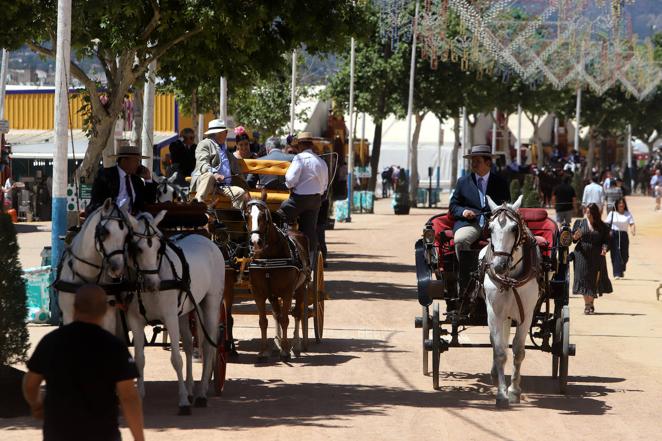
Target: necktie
[[127, 182], [481, 219]]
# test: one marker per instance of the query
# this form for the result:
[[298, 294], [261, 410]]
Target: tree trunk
[[413, 155], [137, 124], [88, 168], [456, 149], [374, 157], [539, 147], [604, 161]]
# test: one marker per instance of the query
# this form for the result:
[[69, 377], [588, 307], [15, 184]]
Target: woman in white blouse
[[620, 220]]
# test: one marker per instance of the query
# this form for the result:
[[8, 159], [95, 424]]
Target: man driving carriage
[[308, 179], [215, 168], [468, 204], [128, 183]]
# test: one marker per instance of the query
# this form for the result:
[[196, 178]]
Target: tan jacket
[[206, 157]]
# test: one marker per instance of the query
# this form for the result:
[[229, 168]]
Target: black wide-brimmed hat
[[124, 151], [480, 150]]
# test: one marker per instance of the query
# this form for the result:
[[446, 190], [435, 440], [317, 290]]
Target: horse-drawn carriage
[[442, 276]]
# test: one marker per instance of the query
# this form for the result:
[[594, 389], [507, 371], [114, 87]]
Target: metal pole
[[465, 133], [61, 123], [293, 92], [494, 132], [630, 159], [350, 149], [3, 80], [224, 100], [148, 117], [578, 111], [519, 134], [441, 141], [410, 103]]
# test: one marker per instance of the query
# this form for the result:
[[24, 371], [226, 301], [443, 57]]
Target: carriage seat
[[543, 228], [443, 229]]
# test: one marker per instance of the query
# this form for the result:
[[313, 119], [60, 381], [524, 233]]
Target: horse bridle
[[515, 217], [149, 235]]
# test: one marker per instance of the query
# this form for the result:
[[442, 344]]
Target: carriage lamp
[[428, 235], [565, 238]]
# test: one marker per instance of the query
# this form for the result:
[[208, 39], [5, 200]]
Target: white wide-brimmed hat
[[480, 150], [216, 126]]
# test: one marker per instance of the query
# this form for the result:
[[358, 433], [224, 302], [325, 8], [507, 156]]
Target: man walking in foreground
[[86, 369]]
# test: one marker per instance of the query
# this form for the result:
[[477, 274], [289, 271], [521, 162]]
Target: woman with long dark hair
[[620, 220], [592, 238]]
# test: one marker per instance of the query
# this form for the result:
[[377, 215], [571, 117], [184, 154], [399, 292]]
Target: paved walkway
[[364, 380]]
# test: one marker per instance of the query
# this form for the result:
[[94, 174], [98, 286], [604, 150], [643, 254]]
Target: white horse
[[96, 255], [202, 273], [167, 190], [511, 262]]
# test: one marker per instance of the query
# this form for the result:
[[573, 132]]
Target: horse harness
[[531, 260], [100, 234], [294, 261], [178, 283]]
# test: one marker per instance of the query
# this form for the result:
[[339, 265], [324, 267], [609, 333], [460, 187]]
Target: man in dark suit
[[182, 155], [128, 183], [274, 153], [468, 204]]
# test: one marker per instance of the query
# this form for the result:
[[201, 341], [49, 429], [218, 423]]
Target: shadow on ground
[[353, 290], [26, 228], [272, 402]]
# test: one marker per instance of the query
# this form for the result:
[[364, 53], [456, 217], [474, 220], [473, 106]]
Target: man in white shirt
[[308, 179], [594, 193]]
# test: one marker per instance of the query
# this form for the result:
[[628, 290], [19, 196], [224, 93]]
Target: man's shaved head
[[90, 302]]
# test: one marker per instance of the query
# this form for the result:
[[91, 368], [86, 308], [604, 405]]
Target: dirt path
[[364, 380]]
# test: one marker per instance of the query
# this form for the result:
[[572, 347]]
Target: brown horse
[[277, 273]]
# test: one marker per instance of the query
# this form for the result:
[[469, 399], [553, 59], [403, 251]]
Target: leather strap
[[520, 307]]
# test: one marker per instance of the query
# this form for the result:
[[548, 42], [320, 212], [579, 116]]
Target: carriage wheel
[[426, 335], [304, 316], [565, 353], [222, 354], [556, 337], [436, 345], [318, 306]]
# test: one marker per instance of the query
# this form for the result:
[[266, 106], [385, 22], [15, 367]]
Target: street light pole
[[494, 132], [350, 149], [148, 117], [578, 111], [61, 123], [3, 81], [630, 158], [293, 91], [519, 134], [223, 110]]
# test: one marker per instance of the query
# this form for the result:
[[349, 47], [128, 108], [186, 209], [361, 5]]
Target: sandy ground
[[364, 380]]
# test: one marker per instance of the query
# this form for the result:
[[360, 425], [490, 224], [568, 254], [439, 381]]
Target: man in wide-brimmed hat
[[128, 183], [469, 202], [217, 170], [308, 179]]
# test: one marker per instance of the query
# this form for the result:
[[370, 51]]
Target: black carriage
[[443, 277]]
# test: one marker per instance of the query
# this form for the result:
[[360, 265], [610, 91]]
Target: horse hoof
[[262, 358], [297, 352], [190, 398], [285, 357], [184, 410], [502, 403], [200, 402], [513, 398]]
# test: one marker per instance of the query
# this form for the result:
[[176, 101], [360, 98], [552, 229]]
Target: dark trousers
[[306, 209], [619, 251], [321, 226]]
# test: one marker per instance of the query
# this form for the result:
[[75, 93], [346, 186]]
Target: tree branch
[[161, 49], [153, 23], [74, 69]]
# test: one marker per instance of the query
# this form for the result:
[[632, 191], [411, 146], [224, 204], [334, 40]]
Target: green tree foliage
[[208, 37], [515, 189], [13, 331]]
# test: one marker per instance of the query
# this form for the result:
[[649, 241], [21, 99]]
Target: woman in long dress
[[591, 235], [620, 220]]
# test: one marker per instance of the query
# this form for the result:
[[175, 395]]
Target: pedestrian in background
[[594, 194], [613, 193], [564, 199], [656, 188], [86, 369], [620, 220], [592, 238]]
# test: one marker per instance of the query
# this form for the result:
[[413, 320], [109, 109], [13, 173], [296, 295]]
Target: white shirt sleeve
[[293, 173]]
